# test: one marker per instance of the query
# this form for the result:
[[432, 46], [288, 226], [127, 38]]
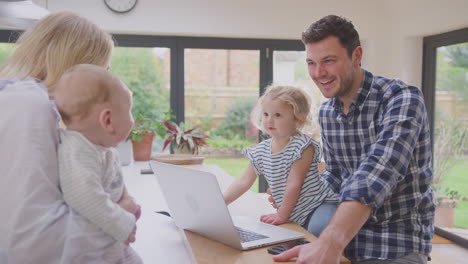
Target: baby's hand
[[129, 204], [132, 236], [273, 219], [137, 212]]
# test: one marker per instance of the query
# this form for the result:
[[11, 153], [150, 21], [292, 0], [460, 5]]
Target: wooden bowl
[[178, 159]]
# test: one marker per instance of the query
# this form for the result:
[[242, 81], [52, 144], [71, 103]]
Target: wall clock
[[120, 6]]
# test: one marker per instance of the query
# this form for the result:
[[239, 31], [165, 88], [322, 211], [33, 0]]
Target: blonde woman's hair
[[294, 96], [56, 43]]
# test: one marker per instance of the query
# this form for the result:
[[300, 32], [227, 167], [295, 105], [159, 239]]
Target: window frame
[[177, 45], [430, 45]]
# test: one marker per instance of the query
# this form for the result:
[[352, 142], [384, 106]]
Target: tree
[[6, 49], [458, 55], [237, 119], [143, 73], [452, 70], [140, 69]]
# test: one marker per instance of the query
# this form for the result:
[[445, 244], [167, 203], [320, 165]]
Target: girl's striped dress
[[276, 167]]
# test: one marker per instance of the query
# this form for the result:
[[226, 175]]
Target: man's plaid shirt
[[379, 154]]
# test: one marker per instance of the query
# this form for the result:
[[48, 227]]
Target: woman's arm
[[241, 185], [296, 177]]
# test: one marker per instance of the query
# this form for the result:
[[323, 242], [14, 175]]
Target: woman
[[36, 224]]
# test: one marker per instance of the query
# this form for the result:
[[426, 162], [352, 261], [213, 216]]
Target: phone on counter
[[288, 245]]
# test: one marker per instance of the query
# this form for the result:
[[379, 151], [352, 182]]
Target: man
[[377, 151]]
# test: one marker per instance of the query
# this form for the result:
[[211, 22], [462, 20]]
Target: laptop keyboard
[[247, 236]]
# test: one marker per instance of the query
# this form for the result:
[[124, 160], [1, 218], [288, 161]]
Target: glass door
[[146, 71], [451, 137], [221, 87]]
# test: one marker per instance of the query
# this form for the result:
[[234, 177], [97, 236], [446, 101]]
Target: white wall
[[392, 30], [398, 46]]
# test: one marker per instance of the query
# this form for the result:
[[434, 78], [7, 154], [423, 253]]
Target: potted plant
[[148, 122], [142, 137], [182, 139]]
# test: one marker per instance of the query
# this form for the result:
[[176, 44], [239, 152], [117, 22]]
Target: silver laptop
[[196, 204]]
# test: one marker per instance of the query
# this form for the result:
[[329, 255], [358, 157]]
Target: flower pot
[[444, 217], [445, 212], [142, 150]]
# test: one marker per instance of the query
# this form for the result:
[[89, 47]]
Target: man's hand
[[314, 252], [273, 219], [270, 199], [348, 219]]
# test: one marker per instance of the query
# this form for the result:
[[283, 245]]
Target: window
[[7, 38], [290, 68], [146, 71], [445, 88], [5, 51], [202, 81], [214, 83], [221, 86]]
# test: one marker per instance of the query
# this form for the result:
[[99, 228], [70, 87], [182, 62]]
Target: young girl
[[289, 162]]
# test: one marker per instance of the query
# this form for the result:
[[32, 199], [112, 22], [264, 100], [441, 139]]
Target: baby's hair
[[76, 94], [294, 96]]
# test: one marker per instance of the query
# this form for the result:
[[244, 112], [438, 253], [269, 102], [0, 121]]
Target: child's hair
[[76, 94], [294, 96]]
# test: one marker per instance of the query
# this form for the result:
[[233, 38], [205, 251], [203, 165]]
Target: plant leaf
[[170, 126], [166, 143], [190, 142]]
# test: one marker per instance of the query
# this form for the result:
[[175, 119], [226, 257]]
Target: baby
[[95, 107]]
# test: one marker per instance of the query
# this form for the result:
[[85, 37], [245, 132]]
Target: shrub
[[235, 142], [236, 121]]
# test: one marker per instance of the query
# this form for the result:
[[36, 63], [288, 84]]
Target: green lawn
[[457, 179], [235, 168]]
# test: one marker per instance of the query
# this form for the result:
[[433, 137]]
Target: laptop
[[196, 204]]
